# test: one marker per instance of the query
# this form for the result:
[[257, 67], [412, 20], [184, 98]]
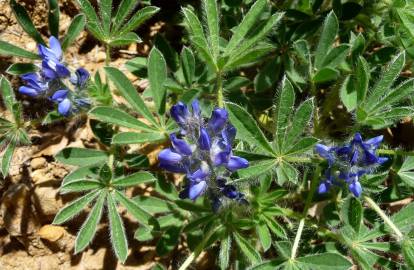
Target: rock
[[47, 200], [51, 232], [100, 56], [37, 163], [19, 217]]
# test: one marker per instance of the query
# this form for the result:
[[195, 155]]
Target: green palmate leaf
[[336, 56], [7, 93], [362, 79], [88, 229], [53, 17], [301, 146], [212, 17], [286, 173], [388, 117], [153, 205], [224, 256], [352, 213], [137, 19], [247, 249], [403, 219], [348, 94], [74, 207], [87, 172], [270, 265], [75, 28], [275, 227], [169, 240], [25, 22], [134, 179], [118, 237], [257, 169], [8, 49], [325, 75], [408, 252], [198, 223], [264, 235], [135, 138], [198, 39], [81, 156], [325, 261], [188, 65], [7, 157], [132, 207], [125, 39], [247, 45], [392, 96], [300, 121], [105, 10], [21, 68], [245, 26], [118, 117], [80, 186], [124, 9], [93, 23], [247, 57], [405, 172], [282, 111], [389, 75], [247, 128], [157, 74], [329, 31], [129, 93]]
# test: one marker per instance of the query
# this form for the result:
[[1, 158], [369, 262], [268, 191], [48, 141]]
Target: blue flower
[[35, 85], [203, 151], [64, 103], [347, 163], [52, 67], [80, 78]]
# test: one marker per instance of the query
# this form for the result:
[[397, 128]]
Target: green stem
[[108, 55], [394, 152], [312, 190], [220, 97], [386, 219], [199, 248]]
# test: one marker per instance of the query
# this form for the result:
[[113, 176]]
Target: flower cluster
[[203, 151], [349, 162], [50, 82]]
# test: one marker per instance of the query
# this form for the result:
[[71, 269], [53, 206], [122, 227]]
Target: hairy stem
[[312, 190], [386, 219], [198, 249], [108, 55], [220, 97], [394, 152]]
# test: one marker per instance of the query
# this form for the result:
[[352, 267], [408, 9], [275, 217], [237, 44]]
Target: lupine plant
[[274, 128]]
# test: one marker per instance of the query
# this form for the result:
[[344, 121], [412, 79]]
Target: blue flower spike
[[53, 75], [347, 163], [203, 151]]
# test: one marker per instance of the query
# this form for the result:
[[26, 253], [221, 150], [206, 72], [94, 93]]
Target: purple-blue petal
[[28, 91], [180, 113], [167, 156], [355, 188], [180, 145], [204, 140], [64, 107], [59, 95], [196, 108], [235, 163], [218, 119], [62, 70], [196, 189], [55, 47], [323, 188]]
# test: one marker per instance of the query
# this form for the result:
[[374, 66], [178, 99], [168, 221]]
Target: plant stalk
[[220, 96], [386, 219], [107, 55], [312, 190], [198, 249]]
